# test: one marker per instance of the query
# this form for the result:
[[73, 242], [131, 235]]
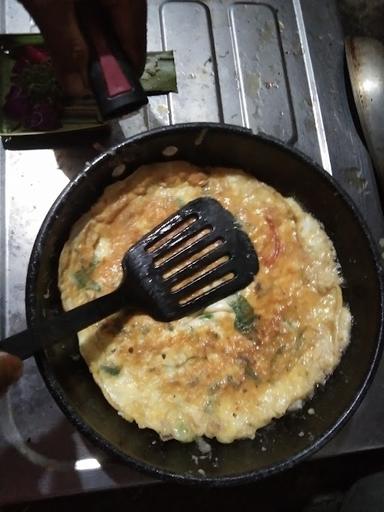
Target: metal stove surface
[[275, 67]]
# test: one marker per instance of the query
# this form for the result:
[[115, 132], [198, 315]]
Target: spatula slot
[[189, 252], [168, 231], [209, 289], [202, 269], [186, 239], [206, 279]]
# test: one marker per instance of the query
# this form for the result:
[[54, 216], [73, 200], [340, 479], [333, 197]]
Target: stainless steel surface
[[272, 67], [365, 60]]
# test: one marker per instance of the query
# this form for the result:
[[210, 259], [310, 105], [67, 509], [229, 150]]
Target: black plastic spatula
[[194, 258]]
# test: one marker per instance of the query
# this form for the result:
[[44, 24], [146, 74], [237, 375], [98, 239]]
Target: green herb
[[182, 432], [299, 339], [83, 278], [239, 224], [145, 329], [40, 82], [191, 358], [208, 406], [277, 354], [230, 380], [214, 388], [245, 317], [250, 372], [159, 74], [206, 316], [111, 370]]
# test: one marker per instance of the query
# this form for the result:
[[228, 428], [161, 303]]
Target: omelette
[[233, 367]]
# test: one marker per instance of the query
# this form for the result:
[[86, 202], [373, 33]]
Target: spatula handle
[[52, 330]]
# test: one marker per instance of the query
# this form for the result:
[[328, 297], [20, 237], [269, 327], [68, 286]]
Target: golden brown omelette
[[230, 369]]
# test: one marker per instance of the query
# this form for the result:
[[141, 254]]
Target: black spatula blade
[[193, 259]]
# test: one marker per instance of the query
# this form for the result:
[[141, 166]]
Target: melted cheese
[[245, 360]]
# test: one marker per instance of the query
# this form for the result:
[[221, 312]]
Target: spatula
[[194, 258]]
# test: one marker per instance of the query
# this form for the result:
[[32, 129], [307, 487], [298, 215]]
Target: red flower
[[36, 55]]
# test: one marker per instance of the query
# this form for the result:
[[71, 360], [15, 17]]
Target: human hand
[[10, 370], [59, 25]]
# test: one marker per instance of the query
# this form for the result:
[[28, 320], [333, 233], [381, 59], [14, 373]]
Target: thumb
[[10, 370]]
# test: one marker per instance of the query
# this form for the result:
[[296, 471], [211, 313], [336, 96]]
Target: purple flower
[[43, 116], [17, 105]]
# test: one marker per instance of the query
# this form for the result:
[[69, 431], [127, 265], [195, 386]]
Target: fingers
[[58, 24], [10, 370], [129, 19]]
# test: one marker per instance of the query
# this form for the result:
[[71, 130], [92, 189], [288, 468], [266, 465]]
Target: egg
[[232, 368]]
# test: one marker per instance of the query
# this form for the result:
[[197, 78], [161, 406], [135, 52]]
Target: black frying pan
[[285, 441]]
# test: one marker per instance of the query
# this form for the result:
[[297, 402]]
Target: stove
[[275, 67]]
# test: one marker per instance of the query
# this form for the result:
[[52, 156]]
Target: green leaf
[[206, 316], [111, 370], [159, 73], [250, 372], [83, 278], [245, 317], [39, 81]]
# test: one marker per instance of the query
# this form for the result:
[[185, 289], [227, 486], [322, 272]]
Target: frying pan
[[286, 440]]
